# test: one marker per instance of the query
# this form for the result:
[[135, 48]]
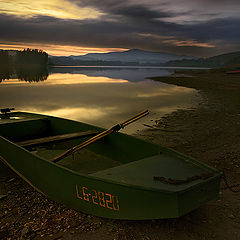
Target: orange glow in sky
[[63, 9], [177, 42], [58, 50]]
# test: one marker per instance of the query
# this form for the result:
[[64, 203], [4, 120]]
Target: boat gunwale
[[217, 175], [165, 149]]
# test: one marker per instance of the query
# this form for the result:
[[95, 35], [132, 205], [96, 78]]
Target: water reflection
[[98, 100], [28, 73], [35, 73], [133, 74], [5, 72]]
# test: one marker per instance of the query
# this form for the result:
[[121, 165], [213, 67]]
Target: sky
[[200, 28]]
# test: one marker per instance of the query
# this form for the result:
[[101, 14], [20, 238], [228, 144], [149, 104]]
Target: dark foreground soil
[[210, 133]]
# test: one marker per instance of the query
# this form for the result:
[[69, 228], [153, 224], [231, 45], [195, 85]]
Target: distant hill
[[130, 57], [223, 60], [133, 55]]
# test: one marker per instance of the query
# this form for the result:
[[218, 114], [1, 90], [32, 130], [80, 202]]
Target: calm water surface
[[102, 96]]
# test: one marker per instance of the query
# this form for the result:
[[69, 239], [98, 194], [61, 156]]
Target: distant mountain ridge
[[133, 55], [130, 57], [136, 57], [223, 60]]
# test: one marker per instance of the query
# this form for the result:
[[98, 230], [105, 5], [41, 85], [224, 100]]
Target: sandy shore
[[210, 133]]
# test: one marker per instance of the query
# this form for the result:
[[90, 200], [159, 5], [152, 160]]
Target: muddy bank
[[210, 133]]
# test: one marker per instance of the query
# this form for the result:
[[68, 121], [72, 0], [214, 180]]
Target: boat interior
[[117, 157]]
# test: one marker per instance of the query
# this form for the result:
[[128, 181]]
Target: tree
[[32, 56]]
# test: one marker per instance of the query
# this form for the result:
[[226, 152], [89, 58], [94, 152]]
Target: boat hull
[[102, 197]]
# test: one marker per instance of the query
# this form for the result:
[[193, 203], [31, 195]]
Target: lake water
[[102, 96]]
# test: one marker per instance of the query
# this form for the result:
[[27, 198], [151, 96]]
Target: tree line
[[28, 65], [26, 57]]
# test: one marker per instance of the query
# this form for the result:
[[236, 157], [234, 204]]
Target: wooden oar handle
[[115, 128], [142, 114], [131, 120]]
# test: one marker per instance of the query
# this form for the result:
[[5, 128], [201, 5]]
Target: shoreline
[[210, 132]]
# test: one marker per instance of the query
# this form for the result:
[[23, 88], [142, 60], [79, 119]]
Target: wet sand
[[210, 133]]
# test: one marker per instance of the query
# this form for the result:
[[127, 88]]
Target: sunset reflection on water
[[98, 100]]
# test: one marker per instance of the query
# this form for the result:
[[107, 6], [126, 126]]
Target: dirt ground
[[210, 133]]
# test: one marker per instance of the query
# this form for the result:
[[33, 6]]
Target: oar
[[101, 135]]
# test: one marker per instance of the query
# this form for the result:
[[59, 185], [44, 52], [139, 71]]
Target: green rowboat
[[118, 176]]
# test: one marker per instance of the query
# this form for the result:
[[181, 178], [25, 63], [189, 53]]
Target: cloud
[[174, 26], [54, 8]]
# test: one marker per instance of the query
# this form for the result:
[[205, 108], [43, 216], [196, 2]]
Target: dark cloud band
[[125, 25]]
